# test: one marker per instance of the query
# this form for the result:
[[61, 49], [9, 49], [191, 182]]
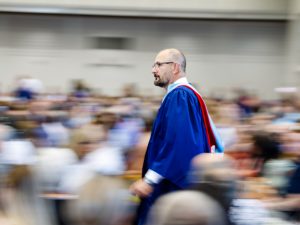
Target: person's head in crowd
[[86, 139], [214, 175], [79, 115], [102, 201], [288, 103], [130, 90], [22, 90], [49, 132], [186, 208], [39, 107], [80, 89], [106, 119], [266, 146], [17, 158], [169, 65]]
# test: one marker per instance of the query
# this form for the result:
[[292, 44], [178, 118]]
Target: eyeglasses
[[158, 64]]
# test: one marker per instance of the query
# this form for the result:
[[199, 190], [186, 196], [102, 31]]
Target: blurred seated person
[[186, 208], [56, 133], [247, 103], [270, 163], [127, 130], [136, 156], [215, 175], [265, 146], [94, 156], [78, 116], [80, 89], [290, 203], [102, 200], [278, 172], [19, 192], [28, 88], [52, 162]]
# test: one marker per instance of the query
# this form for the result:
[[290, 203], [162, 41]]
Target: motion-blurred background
[[77, 102]]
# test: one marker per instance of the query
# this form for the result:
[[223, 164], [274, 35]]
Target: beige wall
[[247, 9], [292, 67], [221, 54]]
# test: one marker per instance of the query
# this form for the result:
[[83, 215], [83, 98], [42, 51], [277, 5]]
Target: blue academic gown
[[178, 135]]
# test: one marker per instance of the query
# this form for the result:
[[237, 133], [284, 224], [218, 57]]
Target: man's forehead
[[162, 56]]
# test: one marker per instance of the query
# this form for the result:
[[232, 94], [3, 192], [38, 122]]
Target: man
[[182, 130]]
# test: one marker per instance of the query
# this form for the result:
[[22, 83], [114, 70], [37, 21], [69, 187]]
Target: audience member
[[186, 208]]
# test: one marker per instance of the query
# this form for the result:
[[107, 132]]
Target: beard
[[160, 83]]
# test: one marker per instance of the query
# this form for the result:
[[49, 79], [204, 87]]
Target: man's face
[[162, 70]]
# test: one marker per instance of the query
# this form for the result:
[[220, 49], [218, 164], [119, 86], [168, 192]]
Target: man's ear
[[176, 67]]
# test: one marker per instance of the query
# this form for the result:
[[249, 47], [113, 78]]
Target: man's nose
[[154, 69]]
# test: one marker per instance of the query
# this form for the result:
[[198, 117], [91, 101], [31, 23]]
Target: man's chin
[[159, 84]]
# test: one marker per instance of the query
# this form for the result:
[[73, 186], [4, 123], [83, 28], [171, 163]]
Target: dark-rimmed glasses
[[158, 64]]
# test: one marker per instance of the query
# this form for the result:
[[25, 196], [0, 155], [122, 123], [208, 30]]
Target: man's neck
[[180, 80]]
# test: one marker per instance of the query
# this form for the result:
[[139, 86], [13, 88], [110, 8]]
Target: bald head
[[168, 67], [215, 175], [186, 208], [176, 56], [213, 167]]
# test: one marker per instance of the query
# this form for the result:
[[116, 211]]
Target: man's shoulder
[[181, 95], [182, 91]]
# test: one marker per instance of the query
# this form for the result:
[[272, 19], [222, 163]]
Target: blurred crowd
[[70, 158]]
